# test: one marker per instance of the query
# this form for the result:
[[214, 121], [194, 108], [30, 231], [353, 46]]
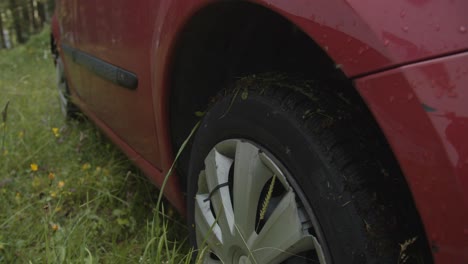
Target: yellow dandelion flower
[[51, 175], [86, 166], [34, 167], [55, 227], [55, 130], [58, 209], [53, 194], [61, 184]]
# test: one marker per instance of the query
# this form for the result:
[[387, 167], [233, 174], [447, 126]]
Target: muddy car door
[[116, 39]]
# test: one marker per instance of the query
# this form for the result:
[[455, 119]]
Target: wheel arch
[[227, 40]]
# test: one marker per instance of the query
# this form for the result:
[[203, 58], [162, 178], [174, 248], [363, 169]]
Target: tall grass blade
[[169, 172], [4, 123]]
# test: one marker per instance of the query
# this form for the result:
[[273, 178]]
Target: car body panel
[[367, 36], [171, 190], [128, 113], [370, 41], [422, 109]]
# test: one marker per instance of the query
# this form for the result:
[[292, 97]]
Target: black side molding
[[103, 69]]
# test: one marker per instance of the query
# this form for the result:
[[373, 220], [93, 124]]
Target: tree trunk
[[50, 9], [41, 12], [33, 18], [2, 36], [16, 21], [26, 19], [11, 37]]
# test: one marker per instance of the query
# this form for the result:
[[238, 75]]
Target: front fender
[[368, 36]]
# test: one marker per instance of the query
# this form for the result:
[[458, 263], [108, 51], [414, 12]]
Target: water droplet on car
[[386, 42], [462, 29], [402, 13], [405, 28], [363, 49]]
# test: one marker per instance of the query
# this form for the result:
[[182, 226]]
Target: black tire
[[68, 109], [335, 164]]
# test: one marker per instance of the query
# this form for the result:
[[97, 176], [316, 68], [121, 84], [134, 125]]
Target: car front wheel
[[279, 173]]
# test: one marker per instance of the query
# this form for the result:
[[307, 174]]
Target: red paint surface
[[171, 191], [362, 37], [365, 36], [423, 111]]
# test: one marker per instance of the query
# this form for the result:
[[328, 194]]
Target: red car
[[326, 131]]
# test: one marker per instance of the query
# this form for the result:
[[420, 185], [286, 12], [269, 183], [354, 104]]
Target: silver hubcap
[[260, 220]]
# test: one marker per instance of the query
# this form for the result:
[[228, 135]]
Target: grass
[[66, 194]]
